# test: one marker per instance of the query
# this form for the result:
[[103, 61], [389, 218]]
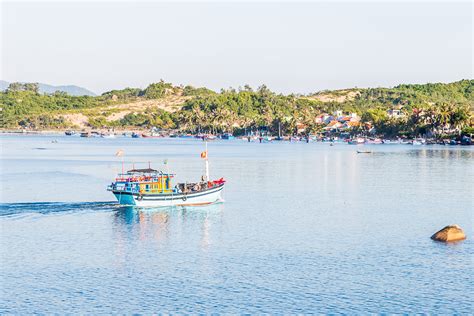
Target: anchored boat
[[153, 188]]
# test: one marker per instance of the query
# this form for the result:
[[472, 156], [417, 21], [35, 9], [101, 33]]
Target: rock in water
[[449, 233]]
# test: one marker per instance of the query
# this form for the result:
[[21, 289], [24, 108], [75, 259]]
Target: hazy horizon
[[290, 47]]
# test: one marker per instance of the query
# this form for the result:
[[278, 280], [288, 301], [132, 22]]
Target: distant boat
[[186, 136], [70, 133], [136, 135], [85, 134], [453, 142], [151, 136], [105, 135], [279, 138], [466, 140], [364, 152], [206, 137], [391, 142], [375, 141], [227, 136], [357, 141], [418, 142]]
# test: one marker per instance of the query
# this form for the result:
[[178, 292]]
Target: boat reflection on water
[[167, 225], [131, 214]]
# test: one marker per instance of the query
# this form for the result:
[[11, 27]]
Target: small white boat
[[418, 142], [107, 135]]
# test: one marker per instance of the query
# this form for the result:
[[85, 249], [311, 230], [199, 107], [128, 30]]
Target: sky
[[292, 47]]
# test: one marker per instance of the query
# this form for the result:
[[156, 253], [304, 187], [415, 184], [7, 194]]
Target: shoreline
[[354, 140]]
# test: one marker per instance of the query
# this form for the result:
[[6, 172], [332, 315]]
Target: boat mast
[[207, 165]]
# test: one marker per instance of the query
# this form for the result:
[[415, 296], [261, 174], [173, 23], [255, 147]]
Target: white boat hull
[[209, 196]]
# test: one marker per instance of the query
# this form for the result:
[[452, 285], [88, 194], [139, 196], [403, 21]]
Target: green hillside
[[432, 107]]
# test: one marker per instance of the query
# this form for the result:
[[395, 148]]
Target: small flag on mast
[[204, 155], [119, 153]]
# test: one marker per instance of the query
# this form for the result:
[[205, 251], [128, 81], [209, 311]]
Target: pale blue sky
[[291, 47]]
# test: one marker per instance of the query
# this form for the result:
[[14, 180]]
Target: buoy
[[449, 233]]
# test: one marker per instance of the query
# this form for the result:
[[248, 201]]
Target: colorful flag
[[204, 155], [119, 153], [165, 162]]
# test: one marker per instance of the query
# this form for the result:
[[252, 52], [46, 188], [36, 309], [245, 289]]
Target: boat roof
[[146, 170]]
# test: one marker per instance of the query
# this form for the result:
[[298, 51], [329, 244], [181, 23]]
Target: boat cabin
[[144, 181]]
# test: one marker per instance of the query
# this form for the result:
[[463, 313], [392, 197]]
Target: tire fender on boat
[[184, 198], [140, 197]]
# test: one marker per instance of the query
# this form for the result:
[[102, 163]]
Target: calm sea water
[[305, 228]]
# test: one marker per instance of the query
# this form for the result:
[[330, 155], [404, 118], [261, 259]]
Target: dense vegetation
[[436, 109]]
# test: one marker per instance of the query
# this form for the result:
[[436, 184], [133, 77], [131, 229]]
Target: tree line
[[437, 109]]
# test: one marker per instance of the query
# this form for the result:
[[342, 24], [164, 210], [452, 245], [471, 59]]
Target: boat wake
[[8, 209]]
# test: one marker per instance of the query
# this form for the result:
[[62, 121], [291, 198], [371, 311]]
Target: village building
[[395, 112], [300, 128], [333, 126]]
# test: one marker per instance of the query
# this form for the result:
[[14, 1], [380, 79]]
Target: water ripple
[[8, 209]]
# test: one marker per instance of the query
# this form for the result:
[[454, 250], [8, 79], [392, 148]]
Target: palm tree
[[460, 117]]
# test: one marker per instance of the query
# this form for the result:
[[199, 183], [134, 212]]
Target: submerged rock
[[449, 233]]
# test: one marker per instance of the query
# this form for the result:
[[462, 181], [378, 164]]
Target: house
[[343, 119], [319, 119], [395, 112], [350, 125], [327, 118], [333, 126], [354, 117], [300, 128]]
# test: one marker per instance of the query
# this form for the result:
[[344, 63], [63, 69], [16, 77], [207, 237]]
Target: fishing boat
[[153, 188], [418, 142], [357, 141], [206, 137], [152, 135], [107, 135], [186, 136], [227, 136], [279, 138]]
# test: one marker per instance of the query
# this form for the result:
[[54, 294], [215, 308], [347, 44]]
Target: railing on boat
[[154, 187]]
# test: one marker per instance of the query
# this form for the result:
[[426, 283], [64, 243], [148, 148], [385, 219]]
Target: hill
[[50, 89], [434, 108]]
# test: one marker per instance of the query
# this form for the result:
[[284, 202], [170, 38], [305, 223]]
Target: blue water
[[304, 228]]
